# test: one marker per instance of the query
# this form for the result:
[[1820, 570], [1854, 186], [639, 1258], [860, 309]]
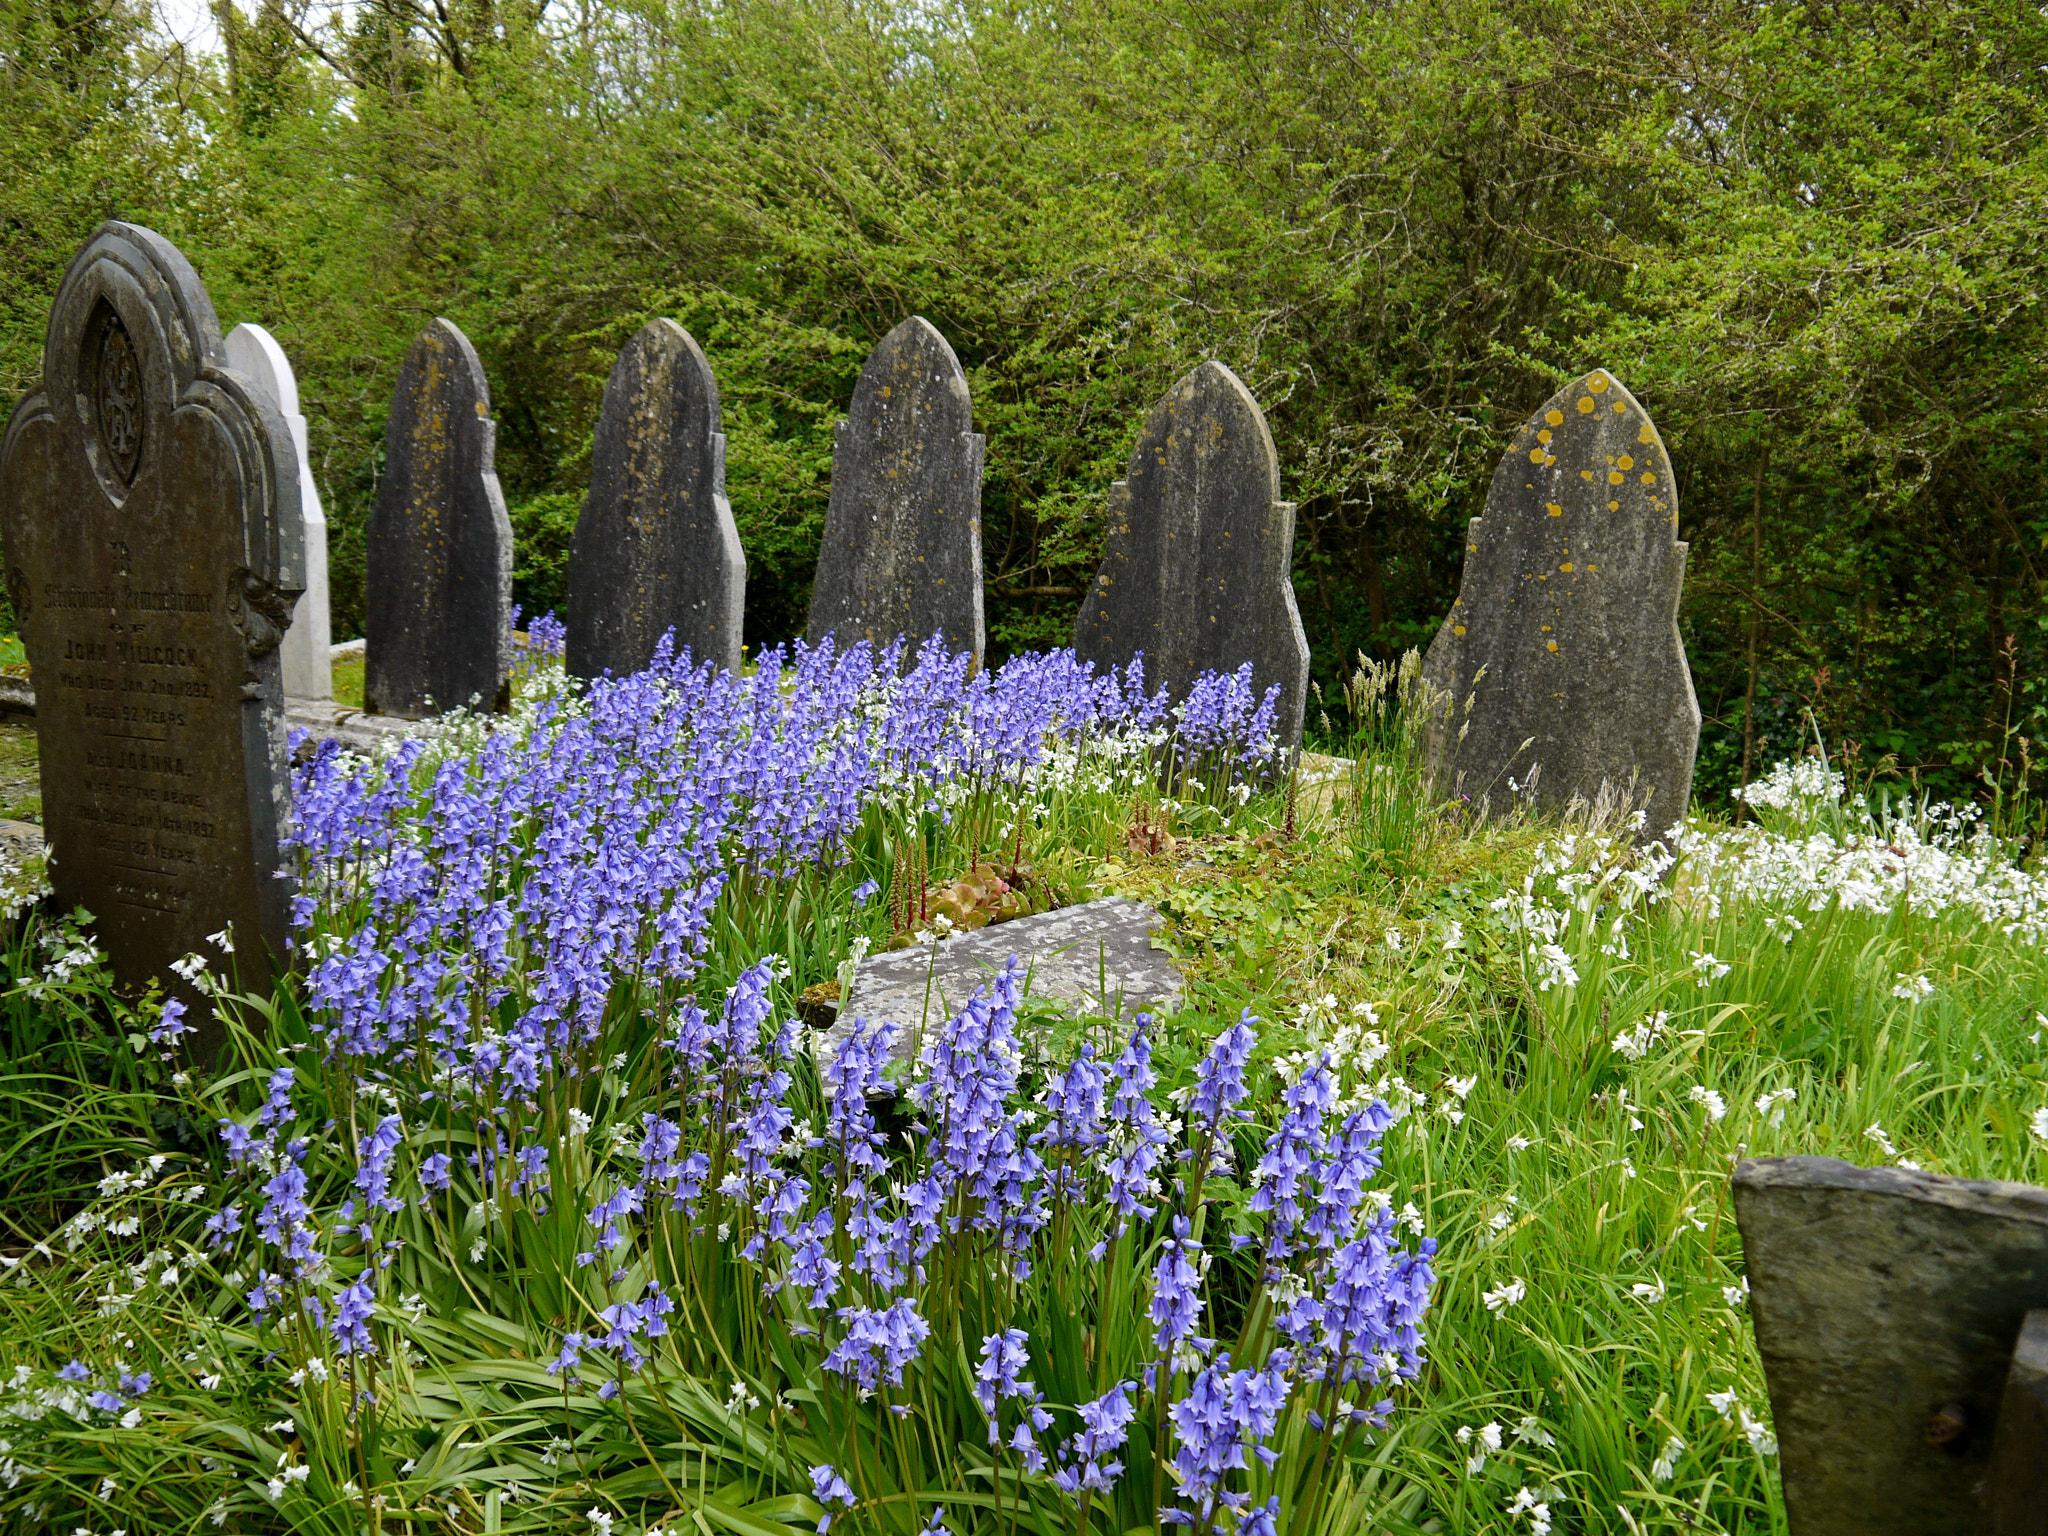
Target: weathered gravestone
[[1096, 958], [1887, 1305], [656, 549], [306, 653], [902, 549], [1196, 573], [148, 496], [439, 548], [1560, 667]]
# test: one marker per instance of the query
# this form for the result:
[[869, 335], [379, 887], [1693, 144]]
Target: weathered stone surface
[[1097, 957], [656, 548], [149, 502], [1880, 1297], [1196, 572], [439, 549], [308, 672], [1561, 667], [902, 549]]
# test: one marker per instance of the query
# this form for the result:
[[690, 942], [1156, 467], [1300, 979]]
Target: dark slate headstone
[[149, 500], [1097, 958], [656, 548], [1887, 1304], [1561, 660], [439, 548], [1197, 570], [902, 550]]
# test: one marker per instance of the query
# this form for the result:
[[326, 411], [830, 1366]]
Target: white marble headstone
[[308, 670]]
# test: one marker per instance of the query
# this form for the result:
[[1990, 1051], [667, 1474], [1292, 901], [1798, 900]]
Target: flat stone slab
[[326, 720], [1886, 1303], [1098, 958]]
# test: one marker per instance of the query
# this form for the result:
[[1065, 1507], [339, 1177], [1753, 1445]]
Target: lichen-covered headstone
[[656, 549], [1887, 1304], [1197, 569], [149, 500], [902, 549], [1560, 673], [439, 547], [308, 645]]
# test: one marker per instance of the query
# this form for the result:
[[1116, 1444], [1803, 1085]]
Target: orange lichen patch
[[1585, 404], [1585, 474], [1592, 567], [1614, 506], [1649, 479], [1536, 455], [1614, 477], [1554, 509], [1543, 436], [1552, 644], [1566, 566], [1597, 383], [1457, 629], [1646, 435], [1620, 408], [1626, 462], [1555, 418], [1546, 629], [1474, 548]]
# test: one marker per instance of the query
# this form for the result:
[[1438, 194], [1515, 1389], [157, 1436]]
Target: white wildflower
[[1716, 1106], [1771, 1106], [1665, 1467], [1501, 1297]]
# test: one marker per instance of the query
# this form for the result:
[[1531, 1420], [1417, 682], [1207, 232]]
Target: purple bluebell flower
[[830, 1490]]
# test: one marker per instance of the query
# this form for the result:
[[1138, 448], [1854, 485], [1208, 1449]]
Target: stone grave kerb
[[901, 554], [1197, 566], [1560, 673], [149, 503]]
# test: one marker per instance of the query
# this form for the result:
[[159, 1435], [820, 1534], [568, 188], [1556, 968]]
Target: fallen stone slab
[[325, 720], [1098, 958]]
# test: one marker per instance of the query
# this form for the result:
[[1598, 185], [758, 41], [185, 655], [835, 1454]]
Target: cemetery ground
[[1575, 1043]]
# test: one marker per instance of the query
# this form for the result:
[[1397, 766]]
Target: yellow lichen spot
[[1552, 644], [1543, 436], [1473, 547], [1649, 479], [1614, 477], [1626, 462], [1555, 509], [1536, 454], [1585, 474], [1550, 459], [1566, 567], [1555, 418], [1597, 383], [1546, 629], [1457, 629], [1592, 567], [1585, 405], [1646, 435], [1620, 408], [1614, 506], [885, 391]]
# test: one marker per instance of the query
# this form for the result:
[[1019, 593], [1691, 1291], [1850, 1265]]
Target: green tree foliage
[[1806, 235]]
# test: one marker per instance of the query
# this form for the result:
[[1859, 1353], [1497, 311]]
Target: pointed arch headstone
[[308, 645], [902, 548], [1197, 570], [656, 548], [1561, 660], [439, 547], [149, 504]]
